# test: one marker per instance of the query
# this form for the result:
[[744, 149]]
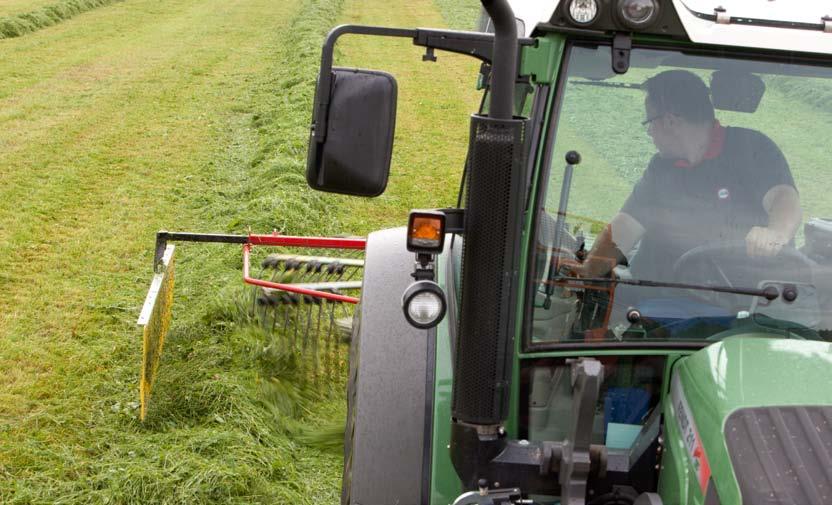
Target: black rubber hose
[[504, 65]]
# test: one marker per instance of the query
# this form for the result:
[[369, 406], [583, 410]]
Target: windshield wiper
[[769, 293]]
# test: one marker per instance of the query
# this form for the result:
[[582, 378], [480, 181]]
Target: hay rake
[[303, 323], [305, 300]]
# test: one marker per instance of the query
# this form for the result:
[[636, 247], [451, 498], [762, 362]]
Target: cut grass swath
[[155, 317], [21, 24]]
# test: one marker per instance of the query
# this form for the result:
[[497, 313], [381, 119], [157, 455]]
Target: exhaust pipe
[[504, 65], [493, 222]]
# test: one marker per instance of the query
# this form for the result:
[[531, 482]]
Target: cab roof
[[784, 25]]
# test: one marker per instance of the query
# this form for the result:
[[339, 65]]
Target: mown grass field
[[182, 115]]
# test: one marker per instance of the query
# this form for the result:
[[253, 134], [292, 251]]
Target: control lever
[[572, 159]]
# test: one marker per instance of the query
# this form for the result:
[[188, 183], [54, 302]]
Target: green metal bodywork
[[542, 60], [750, 370], [555, 45], [445, 485]]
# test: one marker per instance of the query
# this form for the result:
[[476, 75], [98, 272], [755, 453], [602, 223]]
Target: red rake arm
[[273, 239]]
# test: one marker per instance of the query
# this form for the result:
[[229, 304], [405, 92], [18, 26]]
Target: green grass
[[41, 15], [460, 14], [183, 115], [13, 7]]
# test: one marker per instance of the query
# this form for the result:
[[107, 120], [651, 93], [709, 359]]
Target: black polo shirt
[[682, 206]]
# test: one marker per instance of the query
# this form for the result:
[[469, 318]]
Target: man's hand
[[763, 241], [601, 267], [575, 269]]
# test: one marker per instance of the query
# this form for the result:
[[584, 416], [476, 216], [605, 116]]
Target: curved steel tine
[[315, 338], [307, 303], [287, 318], [329, 347]]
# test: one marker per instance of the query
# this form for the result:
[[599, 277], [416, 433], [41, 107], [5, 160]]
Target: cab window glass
[[700, 192], [629, 393]]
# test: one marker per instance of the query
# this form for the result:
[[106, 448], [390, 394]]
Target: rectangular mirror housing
[[352, 154]]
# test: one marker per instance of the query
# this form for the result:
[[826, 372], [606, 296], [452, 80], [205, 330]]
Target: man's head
[[678, 112]]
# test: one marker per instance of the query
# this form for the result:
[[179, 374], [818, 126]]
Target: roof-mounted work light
[[426, 231], [582, 12], [638, 14]]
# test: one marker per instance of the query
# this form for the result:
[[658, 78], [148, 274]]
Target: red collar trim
[[715, 146]]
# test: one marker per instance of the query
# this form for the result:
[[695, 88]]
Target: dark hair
[[682, 93]]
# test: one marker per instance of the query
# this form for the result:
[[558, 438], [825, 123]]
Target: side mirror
[[352, 132]]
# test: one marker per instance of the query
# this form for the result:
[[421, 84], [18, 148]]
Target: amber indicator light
[[426, 232]]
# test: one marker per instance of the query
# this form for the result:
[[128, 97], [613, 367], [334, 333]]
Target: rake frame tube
[[272, 239], [288, 287]]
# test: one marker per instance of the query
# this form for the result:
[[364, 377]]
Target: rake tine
[[274, 322], [319, 303], [296, 301], [353, 271], [270, 261], [289, 267], [340, 269], [281, 273], [313, 267], [276, 273], [290, 309], [264, 302], [309, 274], [287, 315], [307, 301], [300, 268], [261, 304], [329, 347], [331, 270]]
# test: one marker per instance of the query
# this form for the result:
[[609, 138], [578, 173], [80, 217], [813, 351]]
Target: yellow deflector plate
[[155, 318]]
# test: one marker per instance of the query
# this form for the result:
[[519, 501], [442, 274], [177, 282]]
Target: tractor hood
[[759, 410]]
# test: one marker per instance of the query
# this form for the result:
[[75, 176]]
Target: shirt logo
[[723, 193]]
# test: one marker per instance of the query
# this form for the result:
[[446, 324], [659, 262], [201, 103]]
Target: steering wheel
[[728, 264]]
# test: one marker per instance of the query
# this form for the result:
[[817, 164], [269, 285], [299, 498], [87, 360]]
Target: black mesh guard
[[782, 455], [493, 222]]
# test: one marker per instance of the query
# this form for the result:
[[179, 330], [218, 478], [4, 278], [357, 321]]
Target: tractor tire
[[387, 432], [349, 428]]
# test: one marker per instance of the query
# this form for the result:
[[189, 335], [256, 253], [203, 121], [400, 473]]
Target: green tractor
[[633, 302]]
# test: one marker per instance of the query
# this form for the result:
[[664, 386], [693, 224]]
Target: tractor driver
[[706, 184]]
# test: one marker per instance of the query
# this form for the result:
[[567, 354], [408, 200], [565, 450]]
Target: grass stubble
[[186, 116]]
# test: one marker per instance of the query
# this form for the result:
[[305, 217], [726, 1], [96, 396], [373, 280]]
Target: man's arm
[[617, 237], [782, 204]]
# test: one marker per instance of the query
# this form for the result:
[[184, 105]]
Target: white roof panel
[[764, 37], [705, 31], [801, 11]]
